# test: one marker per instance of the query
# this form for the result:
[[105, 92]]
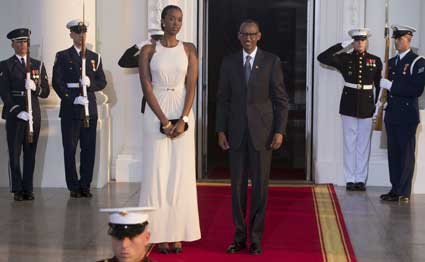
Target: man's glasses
[[246, 35]]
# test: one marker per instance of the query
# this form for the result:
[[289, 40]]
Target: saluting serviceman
[[13, 90], [130, 58], [128, 228], [67, 82], [362, 73], [405, 84]]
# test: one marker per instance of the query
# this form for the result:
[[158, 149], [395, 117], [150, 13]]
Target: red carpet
[[276, 173], [303, 223]]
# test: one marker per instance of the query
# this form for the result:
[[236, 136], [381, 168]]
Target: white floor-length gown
[[169, 179]]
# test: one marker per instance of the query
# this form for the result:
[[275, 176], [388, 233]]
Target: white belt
[[165, 88], [358, 86], [73, 85], [18, 93]]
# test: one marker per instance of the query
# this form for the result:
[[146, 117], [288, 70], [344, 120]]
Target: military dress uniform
[[13, 94], [407, 73], [362, 74], [129, 222], [66, 83]]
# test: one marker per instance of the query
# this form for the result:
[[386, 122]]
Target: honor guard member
[[361, 72], [405, 84], [13, 89], [130, 58], [128, 228], [66, 82]]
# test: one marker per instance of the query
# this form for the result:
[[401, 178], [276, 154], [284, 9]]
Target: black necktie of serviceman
[[247, 67]]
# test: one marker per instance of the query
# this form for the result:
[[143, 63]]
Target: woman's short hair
[[165, 12]]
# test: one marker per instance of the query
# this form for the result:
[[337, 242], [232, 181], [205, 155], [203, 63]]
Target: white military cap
[[76, 24], [401, 30], [128, 215], [155, 32], [359, 33]]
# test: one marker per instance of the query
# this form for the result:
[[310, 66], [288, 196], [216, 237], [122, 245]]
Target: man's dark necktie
[[247, 68], [397, 59], [22, 61]]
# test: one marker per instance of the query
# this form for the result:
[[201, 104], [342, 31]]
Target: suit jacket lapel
[[75, 56], [240, 66], [17, 64], [258, 61]]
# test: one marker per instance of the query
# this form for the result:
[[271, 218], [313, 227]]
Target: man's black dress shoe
[[18, 196], [360, 186], [255, 249], [75, 194], [86, 193], [236, 247], [350, 186], [392, 197], [28, 195]]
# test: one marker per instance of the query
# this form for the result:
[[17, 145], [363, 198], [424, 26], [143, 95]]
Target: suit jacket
[[260, 107], [358, 69], [12, 87], [67, 69], [408, 85]]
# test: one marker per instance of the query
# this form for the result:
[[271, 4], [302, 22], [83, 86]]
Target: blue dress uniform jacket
[[13, 94], [12, 86], [358, 69], [402, 118], [67, 70], [408, 85]]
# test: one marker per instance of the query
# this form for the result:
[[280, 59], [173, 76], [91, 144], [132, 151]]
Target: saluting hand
[[222, 141], [277, 141]]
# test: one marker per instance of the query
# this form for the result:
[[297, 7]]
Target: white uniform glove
[[385, 83], [23, 115], [346, 43], [29, 85], [377, 105], [81, 100], [85, 81]]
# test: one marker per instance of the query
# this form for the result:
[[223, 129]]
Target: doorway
[[285, 28]]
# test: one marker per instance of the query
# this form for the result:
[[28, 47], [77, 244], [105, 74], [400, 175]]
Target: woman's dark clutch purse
[[173, 121]]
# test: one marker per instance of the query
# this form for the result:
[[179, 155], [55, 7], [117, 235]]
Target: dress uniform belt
[[73, 85], [17, 93], [358, 86]]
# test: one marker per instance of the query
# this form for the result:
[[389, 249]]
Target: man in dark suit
[[405, 84], [13, 89], [130, 58], [252, 109], [66, 82]]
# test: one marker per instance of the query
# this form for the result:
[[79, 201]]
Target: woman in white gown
[[168, 73]]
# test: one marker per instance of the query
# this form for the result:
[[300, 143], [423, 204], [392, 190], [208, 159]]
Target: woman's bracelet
[[168, 125]]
